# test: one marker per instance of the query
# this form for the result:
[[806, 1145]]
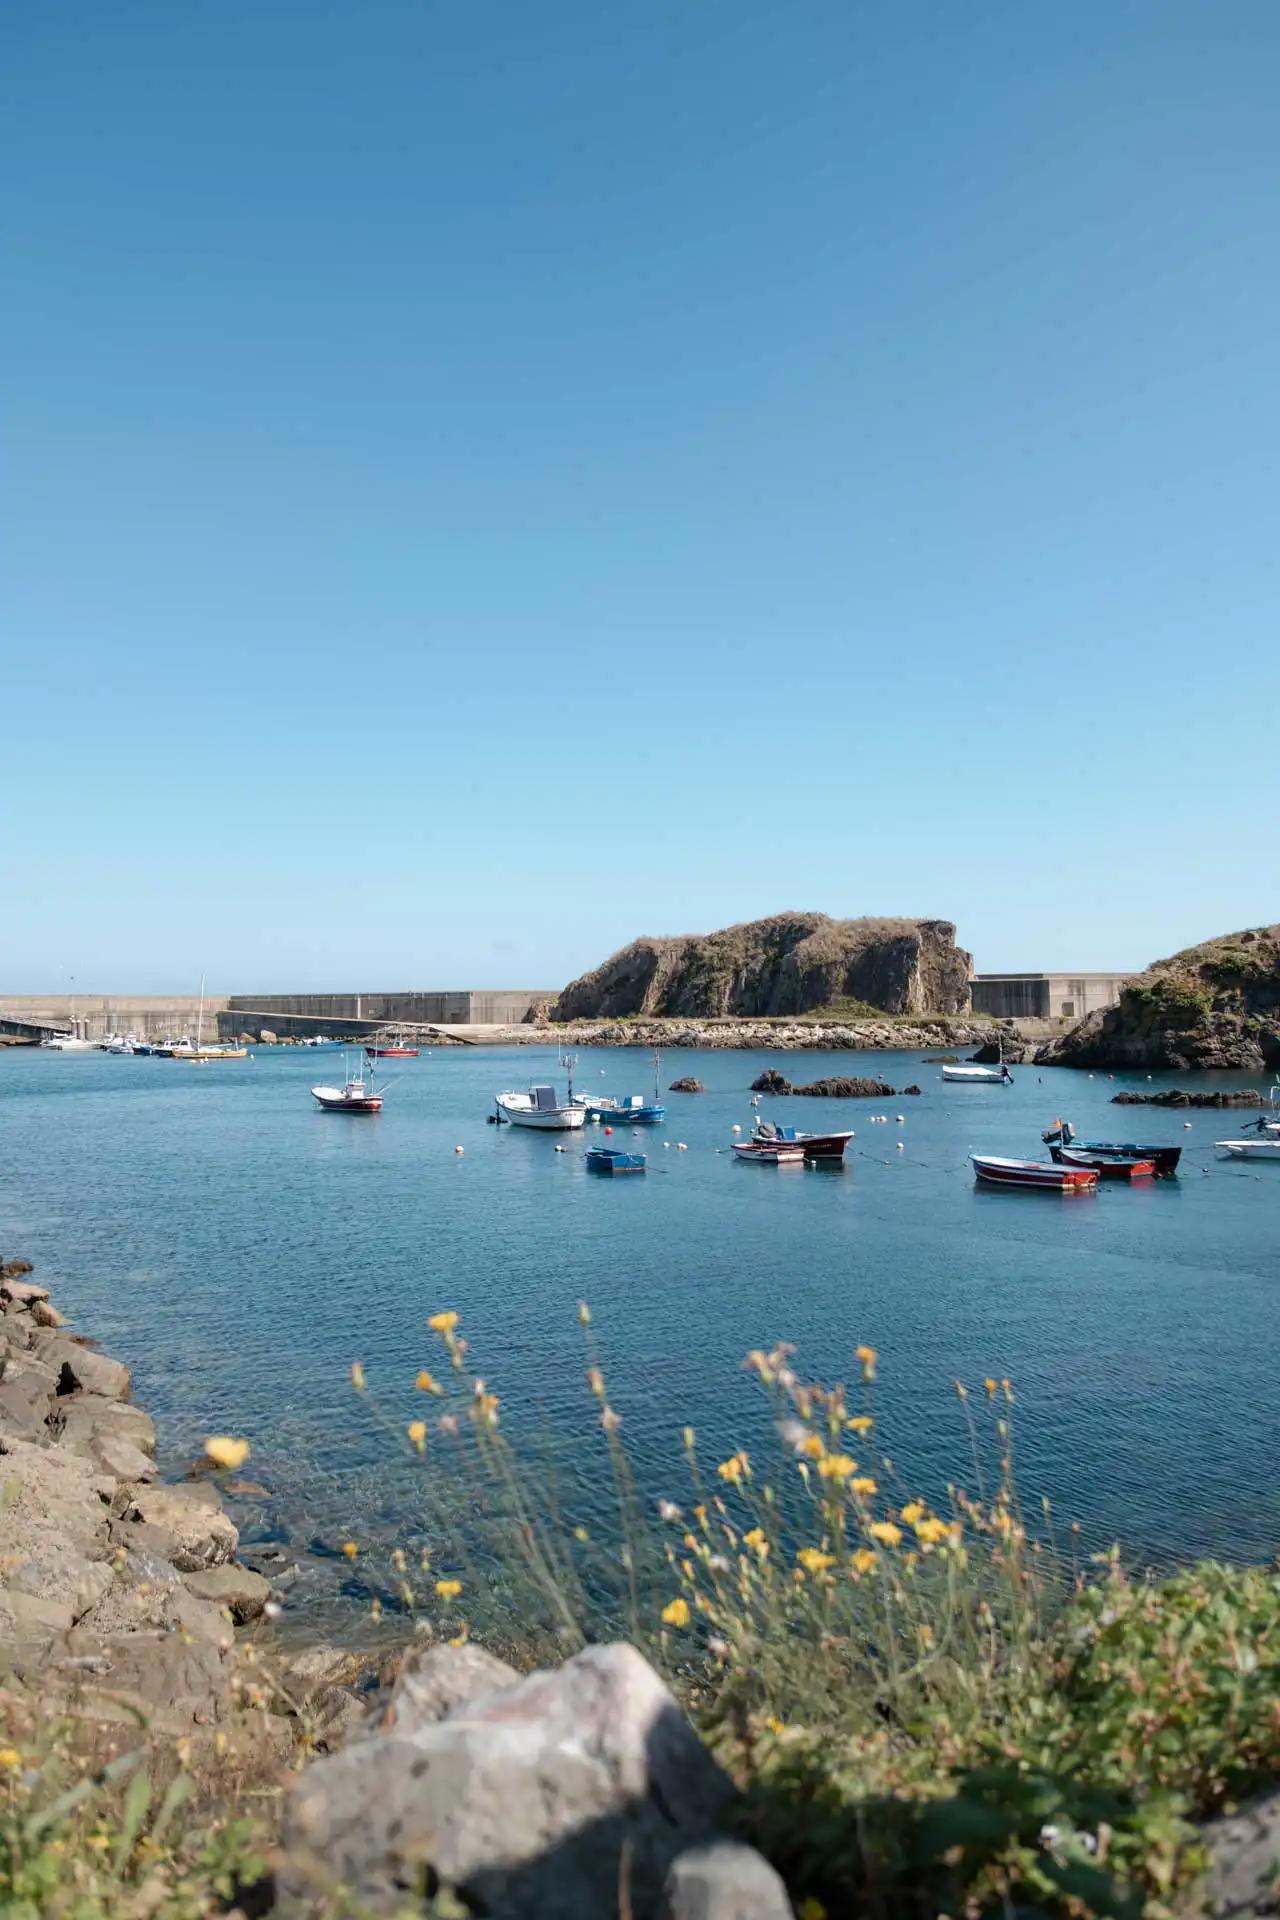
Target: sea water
[[240, 1249]]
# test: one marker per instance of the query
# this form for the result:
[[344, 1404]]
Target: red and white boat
[[397, 1048], [1039, 1176], [356, 1095]]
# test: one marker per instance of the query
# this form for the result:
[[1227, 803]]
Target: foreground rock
[[571, 1793], [1215, 1005], [792, 963]]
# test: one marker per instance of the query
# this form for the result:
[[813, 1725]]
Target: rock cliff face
[[792, 963], [1215, 1005]]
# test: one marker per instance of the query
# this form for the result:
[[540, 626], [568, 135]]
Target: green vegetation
[[929, 1707]]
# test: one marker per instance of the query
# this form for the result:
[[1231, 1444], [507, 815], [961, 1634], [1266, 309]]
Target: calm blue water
[[239, 1249]]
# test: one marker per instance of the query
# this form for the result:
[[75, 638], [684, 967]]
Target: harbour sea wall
[[94, 1015]]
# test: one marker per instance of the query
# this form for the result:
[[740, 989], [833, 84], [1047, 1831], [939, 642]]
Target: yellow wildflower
[[867, 1357], [863, 1560], [584, 1313], [417, 1432], [836, 1466], [427, 1383], [860, 1423], [732, 1468], [756, 1541], [676, 1612], [930, 1530], [913, 1511], [813, 1560], [580, 1534], [357, 1376], [459, 1639], [773, 1723], [448, 1589], [885, 1532], [990, 1386], [443, 1322], [10, 1758], [924, 1634], [812, 1446], [350, 1548], [864, 1486], [226, 1452]]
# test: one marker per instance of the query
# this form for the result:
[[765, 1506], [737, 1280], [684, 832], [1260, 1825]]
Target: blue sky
[[487, 481]]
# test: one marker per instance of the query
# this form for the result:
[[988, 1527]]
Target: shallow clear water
[[239, 1249]]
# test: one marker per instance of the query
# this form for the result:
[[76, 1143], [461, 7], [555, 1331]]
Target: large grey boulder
[[564, 1796], [1244, 1853], [53, 1527], [724, 1881], [243, 1593], [84, 1370], [80, 1417], [432, 1681]]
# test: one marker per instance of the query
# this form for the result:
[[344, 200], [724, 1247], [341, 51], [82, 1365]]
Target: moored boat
[[971, 1076], [1259, 1148], [770, 1153], [1063, 1134], [396, 1047], [635, 1110], [540, 1107], [813, 1146], [1033, 1176], [1106, 1166], [611, 1160], [356, 1095]]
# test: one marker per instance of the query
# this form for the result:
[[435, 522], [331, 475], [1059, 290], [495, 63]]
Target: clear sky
[[488, 480]]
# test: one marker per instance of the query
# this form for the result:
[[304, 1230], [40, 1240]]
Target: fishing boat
[[813, 1146], [1266, 1147], [973, 1076], [1034, 1176], [541, 1107], [765, 1153], [397, 1047], [635, 1110], [356, 1095], [1106, 1166], [610, 1160], [1063, 1134], [68, 1043]]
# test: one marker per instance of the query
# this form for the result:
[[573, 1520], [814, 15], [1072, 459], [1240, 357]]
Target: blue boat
[[634, 1111], [609, 1160]]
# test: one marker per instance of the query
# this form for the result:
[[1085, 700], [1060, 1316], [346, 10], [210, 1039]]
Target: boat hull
[[601, 1160], [978, 1076], [1106, 1166], [335, 1100], [749, 1153], [1249, 1149], [1165, 1158], [607, 1110], [1033, 1176], [541, 1119], [813, 1146], [393, 1053]]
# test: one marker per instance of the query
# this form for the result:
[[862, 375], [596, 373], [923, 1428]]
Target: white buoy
[[736, 1128], [1186, 1123], [559, 1149], [666, 1143], [901, 1148], [681, 1147], [901, 1119], [459, 1149]]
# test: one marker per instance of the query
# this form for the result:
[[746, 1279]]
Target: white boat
[[69, 1043], [971, 1076], [1265, 1147], [199, 1053], [540, 1107]]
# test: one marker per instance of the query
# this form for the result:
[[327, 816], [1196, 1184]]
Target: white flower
[[668, 1510]]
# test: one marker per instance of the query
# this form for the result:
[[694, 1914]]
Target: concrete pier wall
[[496, 1006], [94, 1015]]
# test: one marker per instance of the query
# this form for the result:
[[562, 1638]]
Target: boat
[[1106, 1166], [1063, 1134], [610, 1160], [765, 1153], [635, 1110], [813, 1146], [540, 1107], [397, 1048], [69, 1043], [1259, 1148], [1034, 1176], [355, 1095], [201, 1054], [973, 1076]]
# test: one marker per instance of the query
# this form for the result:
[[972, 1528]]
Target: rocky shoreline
[[780, 1036]]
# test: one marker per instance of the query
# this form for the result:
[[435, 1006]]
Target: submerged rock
[[1175, 1097], [688, 1084]]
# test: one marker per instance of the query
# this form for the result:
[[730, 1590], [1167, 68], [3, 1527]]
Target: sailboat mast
[[200, 1016]]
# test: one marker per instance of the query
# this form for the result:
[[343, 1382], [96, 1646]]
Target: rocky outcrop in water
[[843, 1089], [1175, 1097], [789, 964], [1215, 1005], [688, 1083], [771, 1081]]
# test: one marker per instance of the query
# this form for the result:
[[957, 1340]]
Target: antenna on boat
[[570, 1062], [655, 1060]]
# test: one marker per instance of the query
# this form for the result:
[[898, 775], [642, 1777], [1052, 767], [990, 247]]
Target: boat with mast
[[635, 1110], [541, 1107], [357, 1094], [200, 1054]]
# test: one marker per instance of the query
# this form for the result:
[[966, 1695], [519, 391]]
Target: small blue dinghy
[[609, 1160]]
